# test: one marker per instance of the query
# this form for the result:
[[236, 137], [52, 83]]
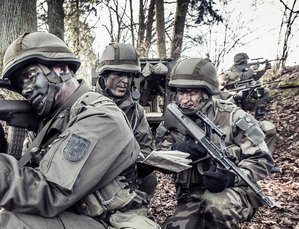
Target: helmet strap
[[53, 87], [52, 90]]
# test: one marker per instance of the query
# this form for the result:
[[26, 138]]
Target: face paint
[[34, 86], [118, 83], [189, 98]]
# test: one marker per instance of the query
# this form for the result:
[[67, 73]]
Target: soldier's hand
[[240, 96], [216, 180], [195, 150], [258, 92], [255, 67]]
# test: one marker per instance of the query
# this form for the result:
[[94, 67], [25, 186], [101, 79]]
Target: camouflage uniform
[[267, 127], [197, 207], [82, 173], [256, 101], [123, 58]]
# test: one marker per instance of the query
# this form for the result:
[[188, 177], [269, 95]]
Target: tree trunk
[[178, 30], [56, 18], [145, 34], [160, 29], [149, 27], [141, 29], [132, 23], [16, 18]]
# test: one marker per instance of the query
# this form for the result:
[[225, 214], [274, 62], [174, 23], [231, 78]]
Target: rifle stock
[[18, 113], [218, 154]]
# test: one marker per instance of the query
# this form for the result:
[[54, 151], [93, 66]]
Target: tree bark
[[16, 18], [56, 18], [178, 30], [160, 22]]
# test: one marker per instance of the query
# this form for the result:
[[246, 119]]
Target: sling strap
[[34, 146]]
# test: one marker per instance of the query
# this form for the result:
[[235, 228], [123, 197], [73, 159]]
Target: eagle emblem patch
[[75, 148]]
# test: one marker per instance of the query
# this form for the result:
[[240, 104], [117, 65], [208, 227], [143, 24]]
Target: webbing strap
[[27, 156]]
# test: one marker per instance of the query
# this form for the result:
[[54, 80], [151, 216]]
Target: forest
[[174, 29]]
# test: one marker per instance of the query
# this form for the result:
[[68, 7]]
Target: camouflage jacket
[[136, 116], [85, 148], [244, 141]]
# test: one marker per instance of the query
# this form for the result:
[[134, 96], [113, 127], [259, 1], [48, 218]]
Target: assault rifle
[[19, 116], [259, 62], [17, 113], [176, 119], [246, 85]]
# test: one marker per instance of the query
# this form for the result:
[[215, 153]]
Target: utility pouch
[[112, 197]]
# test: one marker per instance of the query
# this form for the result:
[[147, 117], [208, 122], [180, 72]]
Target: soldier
[[209, 196], [254, 99], [117, 68], [79, 172]]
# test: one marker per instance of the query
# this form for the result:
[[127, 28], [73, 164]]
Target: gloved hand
[[240, 96], [255, 67], [216, 180], [258, 92], [196, 151]]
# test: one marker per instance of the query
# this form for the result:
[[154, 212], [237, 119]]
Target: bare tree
[[160, 24], [117, 28], [56, 17], [145, 31], [289, 16], [178, 29], [132, 23]]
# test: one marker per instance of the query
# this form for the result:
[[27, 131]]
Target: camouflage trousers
[[212, 210], [68, 220]]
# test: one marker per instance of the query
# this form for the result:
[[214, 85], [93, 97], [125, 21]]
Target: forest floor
[[282, 188]]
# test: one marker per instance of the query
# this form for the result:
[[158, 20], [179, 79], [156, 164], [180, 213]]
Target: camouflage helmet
[[36, 47], [119, 57], [240, 58], [195, 73]]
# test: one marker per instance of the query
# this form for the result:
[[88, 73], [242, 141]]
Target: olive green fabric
[[41, 47], [70, 171], [240, 58], [195, 73], [119, 57], [199, 208]]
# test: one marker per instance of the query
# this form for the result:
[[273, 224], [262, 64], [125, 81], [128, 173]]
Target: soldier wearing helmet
[[73, 175], [118, 67], [239, 71], [249, 73], [208, 195]]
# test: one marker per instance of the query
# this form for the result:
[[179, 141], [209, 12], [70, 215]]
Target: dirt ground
[[282, 188]]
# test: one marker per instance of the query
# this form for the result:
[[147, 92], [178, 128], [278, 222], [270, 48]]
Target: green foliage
[[80, 36]]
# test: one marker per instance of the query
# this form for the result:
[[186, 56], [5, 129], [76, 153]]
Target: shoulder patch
[[250, 126], [75, 148]]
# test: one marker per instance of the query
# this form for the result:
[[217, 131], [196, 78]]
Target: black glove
[[258, 92], [240, 96], [196, 151], [216, 180]]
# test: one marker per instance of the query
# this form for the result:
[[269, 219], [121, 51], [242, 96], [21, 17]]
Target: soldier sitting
[[79, 172], [209, 196]]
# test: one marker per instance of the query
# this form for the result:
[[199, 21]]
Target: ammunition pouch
[[112, 197], [120, 194], [186, 181]]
